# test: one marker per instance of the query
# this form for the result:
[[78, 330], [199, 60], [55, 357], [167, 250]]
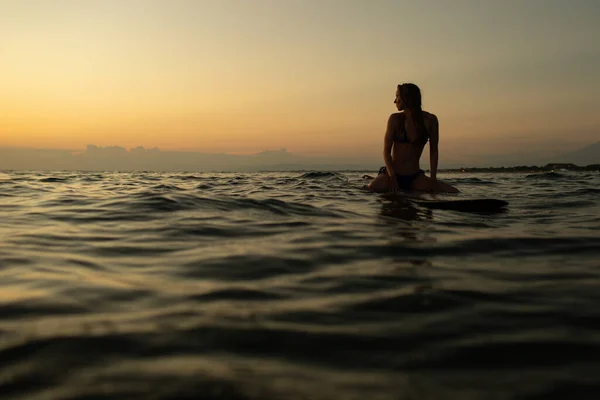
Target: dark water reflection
[[295, 286]]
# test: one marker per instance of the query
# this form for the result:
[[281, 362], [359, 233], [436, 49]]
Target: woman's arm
[[388, 142], [434, 139]]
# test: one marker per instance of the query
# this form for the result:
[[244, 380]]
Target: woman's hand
[[393, 184]]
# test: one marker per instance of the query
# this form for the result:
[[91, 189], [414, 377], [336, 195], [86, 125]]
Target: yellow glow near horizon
[[313, 77]]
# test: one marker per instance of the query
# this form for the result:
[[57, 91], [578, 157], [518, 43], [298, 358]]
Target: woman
[[407, 133]]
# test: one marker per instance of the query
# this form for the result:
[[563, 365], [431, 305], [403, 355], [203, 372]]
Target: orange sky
[[315, 77]]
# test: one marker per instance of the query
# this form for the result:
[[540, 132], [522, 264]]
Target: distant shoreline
[[526, 168], [520, 168], [515, 169]]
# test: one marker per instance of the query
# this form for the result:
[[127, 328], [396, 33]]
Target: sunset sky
[[313, 76]]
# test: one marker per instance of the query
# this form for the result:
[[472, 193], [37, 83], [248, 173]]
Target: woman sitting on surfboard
[[405, 137]]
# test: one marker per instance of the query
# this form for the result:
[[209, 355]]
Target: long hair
[[411, 98]]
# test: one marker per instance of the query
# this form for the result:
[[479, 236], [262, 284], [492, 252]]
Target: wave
[[471, 181], [190, 177], [319, 175], [585, 191], [294, 285], [145, 205], [546, 175], [167, 188], [54, 180]]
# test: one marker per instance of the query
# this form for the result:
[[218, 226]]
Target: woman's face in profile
[[398, 100]]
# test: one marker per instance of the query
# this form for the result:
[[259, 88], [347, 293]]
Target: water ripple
[[295, 286]]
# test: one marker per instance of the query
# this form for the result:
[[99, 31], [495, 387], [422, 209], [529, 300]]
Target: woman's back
[[409, 142]]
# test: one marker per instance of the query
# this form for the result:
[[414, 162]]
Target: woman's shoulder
[[397, 114], [396, 117], [429, 115], [431, 119]]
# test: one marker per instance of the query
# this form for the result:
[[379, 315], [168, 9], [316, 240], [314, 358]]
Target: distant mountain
[[582, 157], [116, 158]]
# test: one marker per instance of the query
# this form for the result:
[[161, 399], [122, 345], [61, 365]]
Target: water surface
[[296, 286]]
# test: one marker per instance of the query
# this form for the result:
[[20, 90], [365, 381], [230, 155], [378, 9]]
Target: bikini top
[[402, 136]]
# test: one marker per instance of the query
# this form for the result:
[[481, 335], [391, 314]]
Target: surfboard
[[463, 205]]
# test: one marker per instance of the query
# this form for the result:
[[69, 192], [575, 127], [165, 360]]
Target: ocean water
[[296, 286]]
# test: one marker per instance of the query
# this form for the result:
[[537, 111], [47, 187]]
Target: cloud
[[116, 158]]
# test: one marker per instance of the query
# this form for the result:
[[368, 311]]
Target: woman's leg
[[379, 184], [426, 184]]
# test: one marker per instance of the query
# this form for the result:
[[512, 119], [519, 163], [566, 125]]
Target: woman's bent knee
[[379, 184]]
